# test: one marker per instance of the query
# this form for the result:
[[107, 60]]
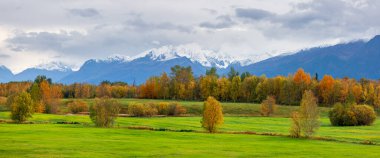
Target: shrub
[[52, 106], [136, 109], [3, 104], [268, 106], [163, 108], [22, 107], [77, 106], [212, 115], [295, 129], [104, 112], [142, 110], [365, 115], [352, 115], [150, 109], [176, 109]]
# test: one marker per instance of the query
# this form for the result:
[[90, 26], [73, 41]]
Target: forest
[[181, 84]]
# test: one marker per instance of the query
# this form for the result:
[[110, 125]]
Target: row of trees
[[181, 84], [289, 90]]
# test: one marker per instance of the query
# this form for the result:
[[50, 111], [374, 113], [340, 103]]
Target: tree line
[[181, 84]]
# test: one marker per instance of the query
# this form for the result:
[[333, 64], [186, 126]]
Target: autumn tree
[[235, 88], [357, 91], [268, 106], [103, 90], [45, 95], [212, 115], [248, 88], [326, 87], [164, 82], [183, 82], [22, 107], [302, 81], [309, 114], [223, 88], [209, 86]]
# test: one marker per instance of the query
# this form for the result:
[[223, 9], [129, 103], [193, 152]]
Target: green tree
[[22, 107], [233, 73], [212, 72]]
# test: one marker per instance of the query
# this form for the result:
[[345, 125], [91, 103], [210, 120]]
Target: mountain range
[[357, 59]]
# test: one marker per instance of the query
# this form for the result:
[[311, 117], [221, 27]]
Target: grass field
[[49, 140], [229, 108], [45, 138]]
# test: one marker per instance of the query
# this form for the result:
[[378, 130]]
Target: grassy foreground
[[46, 138], [273, 125], [52, 140]]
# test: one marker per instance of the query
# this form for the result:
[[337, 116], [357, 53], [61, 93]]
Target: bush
[[352, 115], [295, 129], [176, 109], [142, 110], [52, 106], [77, 106], [163, 108], [104, 112], [150, 109], [268, 106], [212, 115], [22, 107], [3, 104]]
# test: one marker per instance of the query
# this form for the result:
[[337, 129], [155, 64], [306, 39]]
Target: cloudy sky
[[41, 31]]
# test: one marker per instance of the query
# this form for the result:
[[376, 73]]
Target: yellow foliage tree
[[212, 115]]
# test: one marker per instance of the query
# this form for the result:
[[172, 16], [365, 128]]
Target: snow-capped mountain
[[54, 66], [54, 70], [193, 52]]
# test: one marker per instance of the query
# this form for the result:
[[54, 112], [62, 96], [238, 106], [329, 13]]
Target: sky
[[72, 31]]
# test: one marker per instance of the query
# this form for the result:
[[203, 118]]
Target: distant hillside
[[5, 74], [355, 59]]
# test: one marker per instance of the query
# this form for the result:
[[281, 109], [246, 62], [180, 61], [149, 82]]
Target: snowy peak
[[193, 52], [54, 66]]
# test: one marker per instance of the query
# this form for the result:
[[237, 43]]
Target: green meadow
[[244, 134]]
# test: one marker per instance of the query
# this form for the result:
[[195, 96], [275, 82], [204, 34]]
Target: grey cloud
[[4, 56], [221, 22], [88, 12], [253, 13], [138, 23], [315, 20], [23, 41], [211, 11]]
